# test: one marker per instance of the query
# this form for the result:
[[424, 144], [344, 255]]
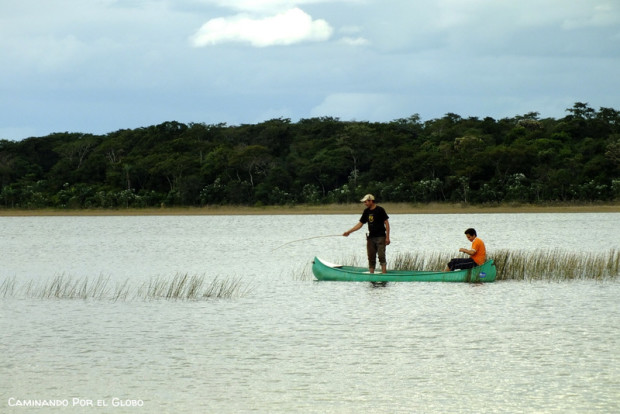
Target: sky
[[98, 66]]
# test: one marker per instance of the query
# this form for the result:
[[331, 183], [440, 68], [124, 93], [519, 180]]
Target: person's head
[[368, 199], [470, 234]]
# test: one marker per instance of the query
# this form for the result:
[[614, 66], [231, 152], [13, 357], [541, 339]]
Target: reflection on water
[[307, 346]]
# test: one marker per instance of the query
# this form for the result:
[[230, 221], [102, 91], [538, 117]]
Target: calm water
[[294, 345]]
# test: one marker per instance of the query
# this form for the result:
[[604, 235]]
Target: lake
[[293, 344]]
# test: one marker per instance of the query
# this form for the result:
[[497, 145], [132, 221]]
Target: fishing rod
[[308, 238]]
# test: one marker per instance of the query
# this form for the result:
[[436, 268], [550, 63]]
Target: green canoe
[[328, 271]]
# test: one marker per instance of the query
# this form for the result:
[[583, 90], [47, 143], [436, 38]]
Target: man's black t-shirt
[[376, 221]]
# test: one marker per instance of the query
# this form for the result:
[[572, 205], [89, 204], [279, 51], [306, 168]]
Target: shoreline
[[353, 208]]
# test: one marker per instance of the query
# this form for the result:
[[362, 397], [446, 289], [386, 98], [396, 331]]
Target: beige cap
[[368, 197]]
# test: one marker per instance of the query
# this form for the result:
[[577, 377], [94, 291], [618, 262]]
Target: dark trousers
[[375, 246], [461, 264]]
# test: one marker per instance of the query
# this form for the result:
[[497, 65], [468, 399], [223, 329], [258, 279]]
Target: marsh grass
[[186, 287], [554, 264], [180, 287], [66, 287], [433, 261], [303, 273], [7, 287]]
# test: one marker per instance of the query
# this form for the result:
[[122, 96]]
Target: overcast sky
[[97, 66]]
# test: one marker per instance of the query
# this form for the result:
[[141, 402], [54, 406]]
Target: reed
[[553, 264], [556, 264], [180, 287], [7, 287], [303, 273], [122, 291], [186, 287], [419, 261], [65, 287]]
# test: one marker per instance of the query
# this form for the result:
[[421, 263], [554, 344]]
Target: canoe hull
[[323, 270]]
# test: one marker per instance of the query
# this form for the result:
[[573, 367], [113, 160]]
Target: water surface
[[295, 345]]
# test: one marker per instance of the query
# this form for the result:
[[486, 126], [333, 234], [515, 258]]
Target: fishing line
[[308, 238]]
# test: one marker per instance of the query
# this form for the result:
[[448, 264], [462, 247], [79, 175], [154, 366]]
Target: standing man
[[477, 254], [378, 232]]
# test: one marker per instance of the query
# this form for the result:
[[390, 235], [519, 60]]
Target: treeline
[[522, 159]]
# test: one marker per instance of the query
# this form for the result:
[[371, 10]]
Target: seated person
[[477, 253]]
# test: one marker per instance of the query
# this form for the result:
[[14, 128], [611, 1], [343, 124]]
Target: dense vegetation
[[321, 160]]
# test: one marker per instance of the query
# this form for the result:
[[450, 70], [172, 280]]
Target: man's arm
[[354, 228], [470, 252]]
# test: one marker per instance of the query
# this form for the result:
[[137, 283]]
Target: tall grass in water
[[303, 273], [556, 264], [419, 261], [65, 287], [180, 287], [552, 264], [7, 287], [186, 287]]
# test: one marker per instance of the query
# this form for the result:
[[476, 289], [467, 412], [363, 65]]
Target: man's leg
[[380, 243], [460, 264], [371, 250]]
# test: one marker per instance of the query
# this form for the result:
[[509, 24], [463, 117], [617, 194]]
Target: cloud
[[286, 28], [270, 6], [354, 41], [257, 5], [88, 66], [351, 36]]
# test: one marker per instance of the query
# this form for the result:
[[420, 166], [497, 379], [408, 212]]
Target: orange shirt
[[481, 252]]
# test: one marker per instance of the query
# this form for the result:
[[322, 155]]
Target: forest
[[523, 159]]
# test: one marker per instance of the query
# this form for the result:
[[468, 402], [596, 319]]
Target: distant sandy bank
[[392, 208]]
